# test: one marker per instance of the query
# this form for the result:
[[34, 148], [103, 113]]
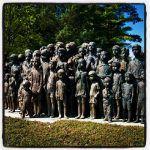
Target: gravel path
[[51, 120]]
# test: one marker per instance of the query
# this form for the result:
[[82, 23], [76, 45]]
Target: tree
[[104, 24], [35, 25]]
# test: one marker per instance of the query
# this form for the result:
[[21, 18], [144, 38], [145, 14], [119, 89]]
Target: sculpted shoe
[[77, 117], [82, 117], [65, 117], [105, 119]]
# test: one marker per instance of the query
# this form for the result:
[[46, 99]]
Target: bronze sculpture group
[[63, 81]]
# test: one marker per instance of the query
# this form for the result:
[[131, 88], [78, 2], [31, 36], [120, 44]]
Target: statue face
[[114, 68], [136, 51], [36, 63], [103, 55], [98, 52], [127, 77], [106, 83], [142, 75], [81, 52], [91, 46], [116, 51], [92, 77], [81, 64]]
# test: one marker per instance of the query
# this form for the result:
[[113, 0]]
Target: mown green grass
[[22, 133]]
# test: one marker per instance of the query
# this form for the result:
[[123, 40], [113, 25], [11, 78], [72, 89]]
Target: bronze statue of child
[[61, 92], [107, 100], [94, 92], [127, 97]]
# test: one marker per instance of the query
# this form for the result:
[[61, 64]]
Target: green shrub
[[22, 133]]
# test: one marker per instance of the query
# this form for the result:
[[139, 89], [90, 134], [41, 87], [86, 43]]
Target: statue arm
[[132, 94]]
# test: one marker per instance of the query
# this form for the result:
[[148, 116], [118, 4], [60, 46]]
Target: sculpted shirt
[[117, 80], [103, 70], [36, 80], [135, 67], [81, 83], [93, 92], [60, 90], [127, 91], [141, 91], [51, 84]]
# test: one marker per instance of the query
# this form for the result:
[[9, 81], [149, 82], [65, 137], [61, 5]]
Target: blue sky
[[138, 28]]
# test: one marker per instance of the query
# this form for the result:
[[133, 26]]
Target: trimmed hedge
[[22, 133]]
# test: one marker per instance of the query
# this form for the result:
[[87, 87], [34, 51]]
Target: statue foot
[[109, 120], [128, 121], [77, 117], [105, 119], [59, 116], [117, 117], [82, 117], [65, 117]]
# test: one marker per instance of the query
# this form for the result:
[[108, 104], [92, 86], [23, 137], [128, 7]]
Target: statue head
[[98, 52], [59, 45], [52, 65], [107, 82], [61, 53], [85, 46], [13, 58], [136, 49], [104, 56], [71, 49], [51, 49], [142, 75], [26, 84], [81, 64], [28, 51], [7, 76], [115, 66], [36, 53], [36, 62], [116, 50], [92, 75], [124, 53], [61, 73], [81, 52], [92, 47], [21, 57], [44, 54], [128, 76], [28, 56]]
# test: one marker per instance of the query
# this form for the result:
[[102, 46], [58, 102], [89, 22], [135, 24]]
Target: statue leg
[[83, 108], [65, 109], [90, 111], [79, 107], [109, 113], [118, 109], [39, 106], [23, 109], [35, 106], [137, 113], [48, 104], [142, 112], [129, 111], [13, 104], [105, 112], [94, 111], [59, 108], [52, 107]]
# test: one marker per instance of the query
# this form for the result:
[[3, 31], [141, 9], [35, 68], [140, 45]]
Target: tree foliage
[[34, 25]]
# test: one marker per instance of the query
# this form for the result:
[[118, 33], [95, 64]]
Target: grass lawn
[[22, 133]]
